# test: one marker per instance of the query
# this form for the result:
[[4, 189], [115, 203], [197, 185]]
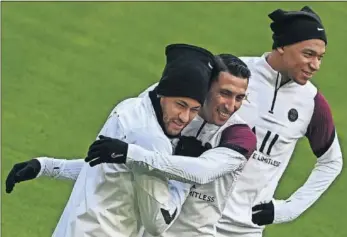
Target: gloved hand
[[266, 213], [21, 172], [190, 146], [263, 214], [107, 150]]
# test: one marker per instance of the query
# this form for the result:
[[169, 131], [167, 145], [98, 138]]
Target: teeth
[[225, 115]]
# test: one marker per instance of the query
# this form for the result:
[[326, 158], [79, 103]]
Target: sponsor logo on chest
[[199, 195], [265, 159]]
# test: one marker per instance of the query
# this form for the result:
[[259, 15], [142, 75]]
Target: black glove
[[21, 172], [190, 146], [107, 150], [263, 214]]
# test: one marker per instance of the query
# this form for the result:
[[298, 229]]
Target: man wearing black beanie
[[299, 42], [104, 199], [284, 106], [225, 141]]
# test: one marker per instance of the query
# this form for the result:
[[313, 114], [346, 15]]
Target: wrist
[[42, 161], [50, 167], [282, 212]]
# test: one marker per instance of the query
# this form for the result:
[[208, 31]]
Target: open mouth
[[177, 125], [307, 74], [223, 115]]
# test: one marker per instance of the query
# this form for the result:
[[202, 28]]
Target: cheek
[[168, 113], [192, 115], [238, 105], [220, 101]]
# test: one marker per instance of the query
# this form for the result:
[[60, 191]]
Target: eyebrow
[[231, 92], [313, 51], [187, 105]]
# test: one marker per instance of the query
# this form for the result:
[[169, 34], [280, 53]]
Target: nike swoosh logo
[[320, 29], [114, 156], [167, 217]]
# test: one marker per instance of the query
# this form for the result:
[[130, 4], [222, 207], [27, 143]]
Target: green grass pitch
[[65, 65]]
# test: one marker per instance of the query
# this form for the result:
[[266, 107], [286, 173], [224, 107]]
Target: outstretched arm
[[236, 145], [60, 168]]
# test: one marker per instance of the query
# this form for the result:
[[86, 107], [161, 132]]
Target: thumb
[[102, 137], [258, 207]]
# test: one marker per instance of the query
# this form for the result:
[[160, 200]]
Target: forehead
[[315, 45], [229, 81], [188, 101]]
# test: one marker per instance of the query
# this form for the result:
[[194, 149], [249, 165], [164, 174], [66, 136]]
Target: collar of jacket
[[159, 112], [263, 67]]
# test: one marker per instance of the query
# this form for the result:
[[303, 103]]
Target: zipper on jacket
[[200, 129], [275, 94]]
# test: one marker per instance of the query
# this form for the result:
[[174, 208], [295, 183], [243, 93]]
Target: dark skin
[[299, 61]]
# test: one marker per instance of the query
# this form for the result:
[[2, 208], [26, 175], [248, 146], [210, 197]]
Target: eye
[[225, 93], [240, 98], [308, 54], [180, 105], [195, 110]]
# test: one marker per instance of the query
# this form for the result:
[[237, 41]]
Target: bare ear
[[280, 50]]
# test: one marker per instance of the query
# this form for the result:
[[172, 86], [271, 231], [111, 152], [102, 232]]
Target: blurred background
[[66, 64]]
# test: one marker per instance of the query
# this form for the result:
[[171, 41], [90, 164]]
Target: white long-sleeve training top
[[111, 200], [280, 116]]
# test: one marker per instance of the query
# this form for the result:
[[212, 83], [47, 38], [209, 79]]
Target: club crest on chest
[[293, 115]]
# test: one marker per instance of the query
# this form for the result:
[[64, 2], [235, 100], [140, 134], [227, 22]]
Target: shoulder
[[239, 132], [250, 61], [321, 103], [138, 118], [239, 137], [145, 92], [135, 113], [309, 90], [322, 111], [150, 139]]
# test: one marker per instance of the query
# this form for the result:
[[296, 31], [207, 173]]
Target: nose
[[184, 116], [230, 106], [315, 64]]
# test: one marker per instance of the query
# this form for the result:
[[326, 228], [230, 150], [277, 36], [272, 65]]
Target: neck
[[274, 61], [202, 114]]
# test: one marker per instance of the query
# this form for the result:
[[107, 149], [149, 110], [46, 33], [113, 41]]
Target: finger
[[258, 207], [258, 217], [9, 187], [262, 218], [102, 137], [98, 145], [96, 148], [95, 162], [92, 155], [97, 142], [10, 182]]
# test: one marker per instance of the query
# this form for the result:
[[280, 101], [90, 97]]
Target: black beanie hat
[[187, 73], [291, 27]]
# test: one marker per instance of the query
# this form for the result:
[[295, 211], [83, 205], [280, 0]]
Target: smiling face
[[300, 61], [178, 112], [224, 98]]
